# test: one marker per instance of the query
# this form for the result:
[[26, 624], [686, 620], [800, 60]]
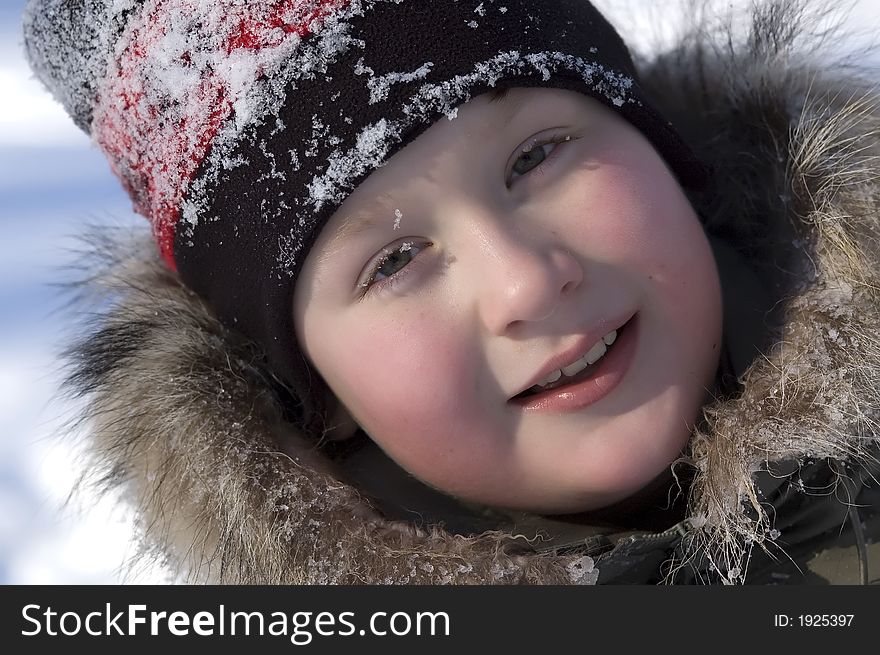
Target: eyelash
[[371, 285]]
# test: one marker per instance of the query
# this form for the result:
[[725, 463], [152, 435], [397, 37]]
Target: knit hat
[[239, 126]]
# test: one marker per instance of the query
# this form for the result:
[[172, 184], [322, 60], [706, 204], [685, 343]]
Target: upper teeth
[[592, 356]]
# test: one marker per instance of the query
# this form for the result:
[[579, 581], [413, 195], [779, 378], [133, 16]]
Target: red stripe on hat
[[255, 35], [164, 102]]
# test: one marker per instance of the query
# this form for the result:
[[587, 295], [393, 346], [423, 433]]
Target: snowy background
[[51, 181]]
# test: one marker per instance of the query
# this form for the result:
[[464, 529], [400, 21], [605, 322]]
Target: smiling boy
[[436, 294], [531, 229]]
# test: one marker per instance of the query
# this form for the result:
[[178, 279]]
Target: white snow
[[380, 85], [292, 60]]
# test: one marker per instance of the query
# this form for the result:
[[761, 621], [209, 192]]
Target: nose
[[525, 281]]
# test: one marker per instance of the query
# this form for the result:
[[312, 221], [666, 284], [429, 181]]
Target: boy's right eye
[[395, 260], [391, 264]]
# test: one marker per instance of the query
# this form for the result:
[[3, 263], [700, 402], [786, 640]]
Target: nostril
[[569, 270], [569, 286]]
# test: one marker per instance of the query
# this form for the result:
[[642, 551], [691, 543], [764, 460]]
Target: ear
[[341, 425]]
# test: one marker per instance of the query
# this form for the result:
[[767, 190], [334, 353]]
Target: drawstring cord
[[861, 547], [855, 520]]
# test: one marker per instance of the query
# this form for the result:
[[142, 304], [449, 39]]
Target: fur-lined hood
[[184, 419]]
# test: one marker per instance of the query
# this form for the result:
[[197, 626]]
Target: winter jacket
[[778, 484]]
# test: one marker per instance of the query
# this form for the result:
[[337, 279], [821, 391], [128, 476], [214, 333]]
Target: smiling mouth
[[581, 376]]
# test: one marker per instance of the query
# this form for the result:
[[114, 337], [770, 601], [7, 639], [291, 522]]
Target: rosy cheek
[[405, 379], [650, 228]]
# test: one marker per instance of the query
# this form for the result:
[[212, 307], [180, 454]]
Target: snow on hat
[[239, 126]]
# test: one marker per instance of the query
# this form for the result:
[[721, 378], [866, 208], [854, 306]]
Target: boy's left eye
[[532, 158], [537, 151]]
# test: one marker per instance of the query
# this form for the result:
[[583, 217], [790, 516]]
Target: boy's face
[[488, 252]]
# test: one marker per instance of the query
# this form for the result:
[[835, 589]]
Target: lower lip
[[612, 369]]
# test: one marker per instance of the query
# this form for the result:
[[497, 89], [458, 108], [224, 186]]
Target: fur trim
[[183, 416], [799, 153]]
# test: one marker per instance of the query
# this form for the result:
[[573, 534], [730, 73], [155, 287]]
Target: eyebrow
[[511, 104], [354, 224], [362, 220]]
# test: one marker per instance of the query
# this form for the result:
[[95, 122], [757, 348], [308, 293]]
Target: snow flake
[[294, 160], [380, 85], [499, 571], [472, 24], [371, 146], [698, 521], [582, 571], [397, 216]]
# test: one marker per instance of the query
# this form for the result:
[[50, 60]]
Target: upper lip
[[576, 349]]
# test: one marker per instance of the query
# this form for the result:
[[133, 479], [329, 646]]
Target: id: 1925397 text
[[813, 620]]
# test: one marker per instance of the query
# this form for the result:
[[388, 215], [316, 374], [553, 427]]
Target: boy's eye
[[388, 267], [537, 152], [531, 158], [395, 260]]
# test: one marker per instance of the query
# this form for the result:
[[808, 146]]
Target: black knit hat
[[239, 126]]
